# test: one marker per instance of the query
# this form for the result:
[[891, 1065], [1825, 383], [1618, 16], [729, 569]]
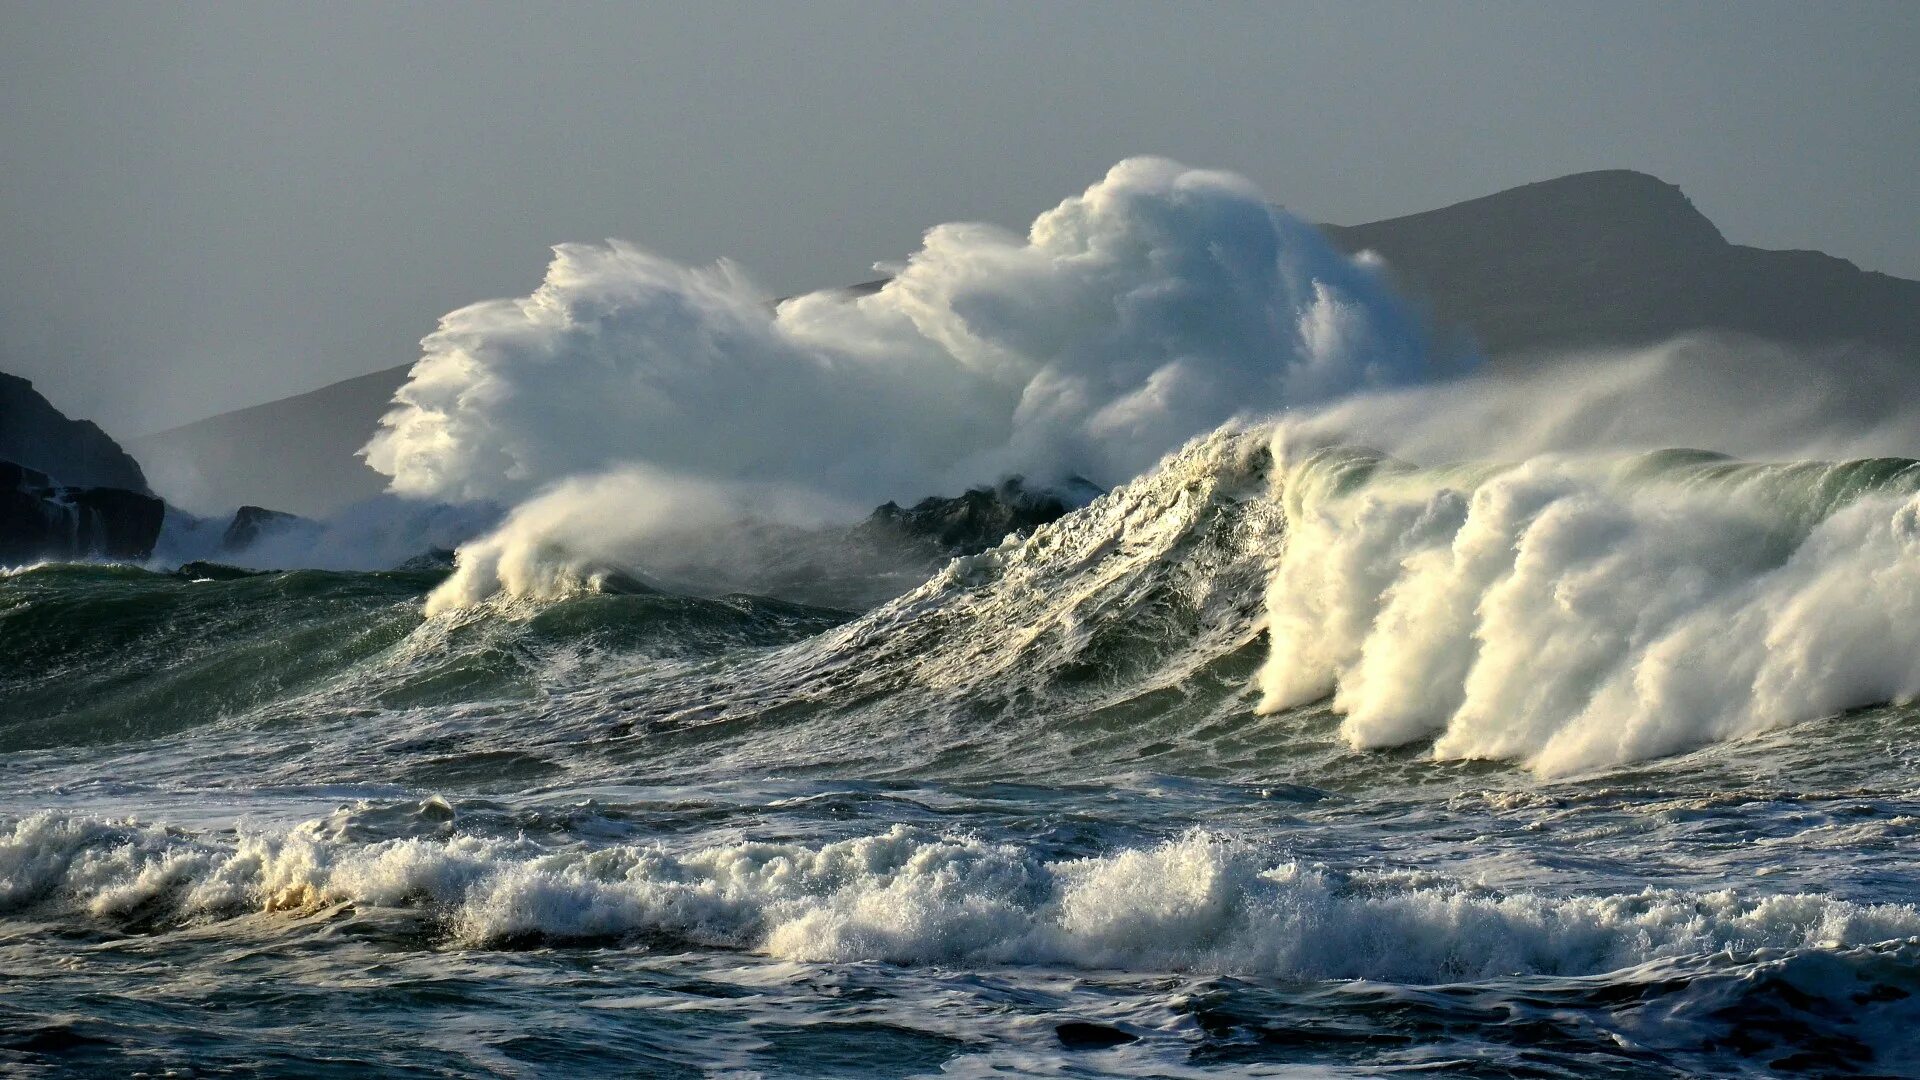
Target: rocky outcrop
[[202, 570], [67, 490], [38, 436], [41, 518], [980, 518], [251, 523]]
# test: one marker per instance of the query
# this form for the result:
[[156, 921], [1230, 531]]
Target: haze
[[204, 208]]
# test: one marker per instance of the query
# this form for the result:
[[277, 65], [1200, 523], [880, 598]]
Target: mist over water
[[1386, 714], [374, 534]]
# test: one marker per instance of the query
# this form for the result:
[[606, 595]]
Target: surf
[[1565, 613]]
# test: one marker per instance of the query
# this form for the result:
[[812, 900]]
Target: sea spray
[[1149, 309]]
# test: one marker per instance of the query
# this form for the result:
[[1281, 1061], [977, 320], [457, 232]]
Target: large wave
[[1565, 612]]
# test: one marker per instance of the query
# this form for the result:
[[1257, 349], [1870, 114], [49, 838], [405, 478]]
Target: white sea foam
[[1576, 613], [1193, 903]]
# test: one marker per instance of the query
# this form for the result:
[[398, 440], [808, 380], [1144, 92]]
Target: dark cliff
[[43, 519], [38, 436]]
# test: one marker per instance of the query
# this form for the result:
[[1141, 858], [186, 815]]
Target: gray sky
[[207, 205]]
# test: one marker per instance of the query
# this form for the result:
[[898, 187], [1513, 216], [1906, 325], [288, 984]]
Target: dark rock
[[982, 517], [201, 570], [431, 561], [120, 524], [250, 523], [40, 437], [1080, 1035], [43, 519]]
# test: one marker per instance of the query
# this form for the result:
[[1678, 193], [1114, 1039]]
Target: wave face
[[1285, 754], [102, 654]]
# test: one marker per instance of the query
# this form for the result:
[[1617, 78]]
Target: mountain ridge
[[1630, 261]]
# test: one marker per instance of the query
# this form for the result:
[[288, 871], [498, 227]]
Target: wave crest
[[1573, 613]]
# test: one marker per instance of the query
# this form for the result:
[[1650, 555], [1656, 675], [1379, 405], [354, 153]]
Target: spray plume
[[1159, 303]]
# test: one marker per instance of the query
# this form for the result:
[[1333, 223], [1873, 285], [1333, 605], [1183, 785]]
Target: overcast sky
[[204, 206]]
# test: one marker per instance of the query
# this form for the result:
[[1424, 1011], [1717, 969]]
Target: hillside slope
[[295, 454], [1623, 258]]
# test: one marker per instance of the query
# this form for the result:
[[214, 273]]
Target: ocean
[[1268, 763]]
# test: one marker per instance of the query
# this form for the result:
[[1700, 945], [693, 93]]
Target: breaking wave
[[1194, 903], [1574, 613], [1565, 613], [1568, 613]]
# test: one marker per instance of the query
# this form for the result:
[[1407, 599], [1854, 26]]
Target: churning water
[[1285, 760]]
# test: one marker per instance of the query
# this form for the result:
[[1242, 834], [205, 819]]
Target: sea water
[[1260, 765]]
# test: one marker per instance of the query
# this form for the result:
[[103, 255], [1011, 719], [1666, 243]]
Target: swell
[[106, 653], [1116, 638]]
